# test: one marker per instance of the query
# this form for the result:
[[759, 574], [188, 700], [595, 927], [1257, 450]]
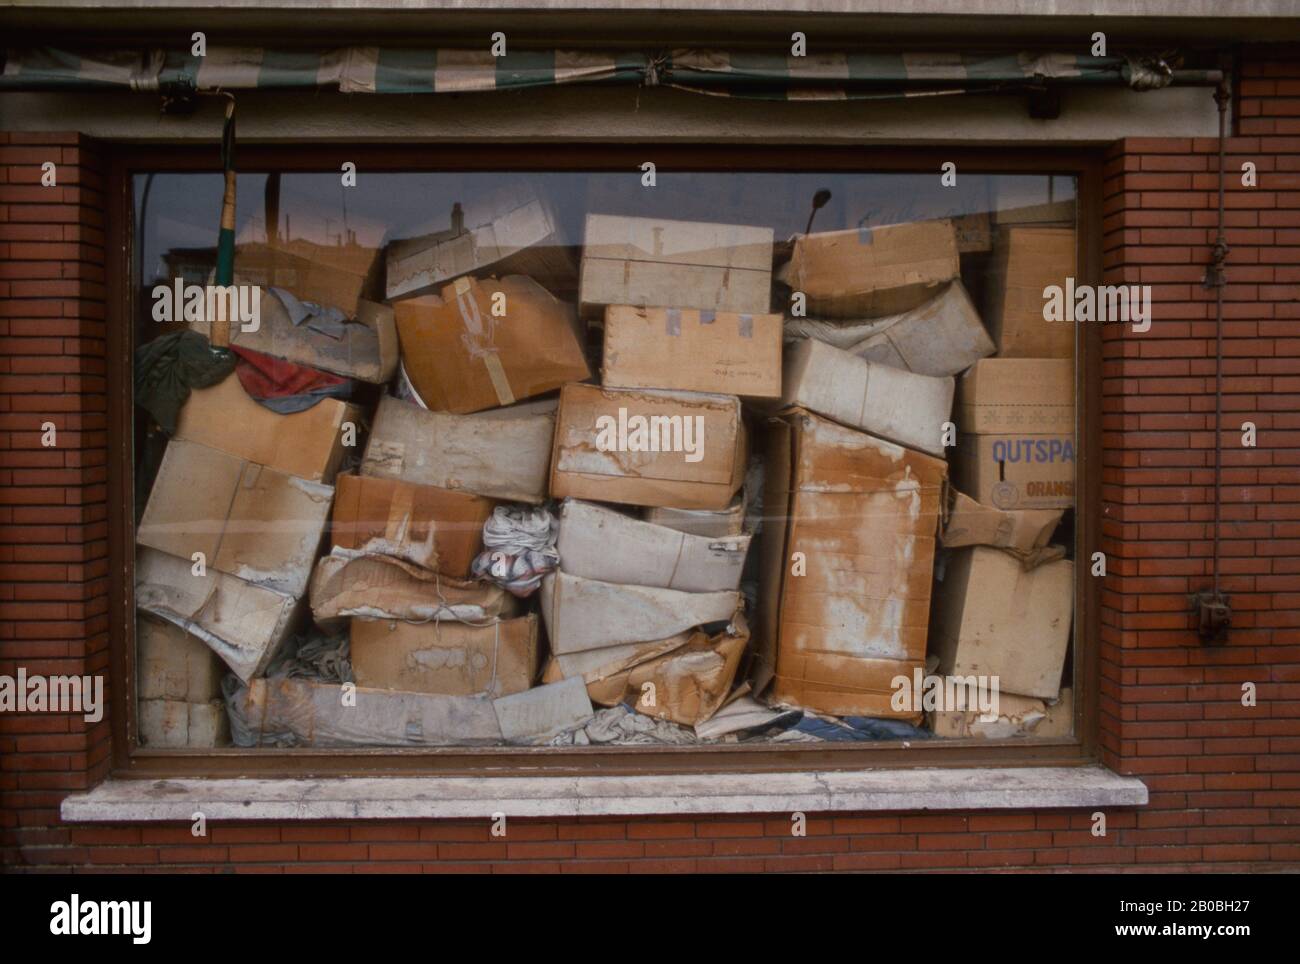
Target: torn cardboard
[[461, 354], [446, 657], [643, 447], [380, 587], [896, 405], [584, 614], [307, 444], [1018, 716], [431, 527], [675, 264], [692, 350], [248, 520], [851, 610], [1024, 533], [995, 619], [243, 624], [511, 231], [1026, 260], [869, 272], [600, 543], [504, 455]]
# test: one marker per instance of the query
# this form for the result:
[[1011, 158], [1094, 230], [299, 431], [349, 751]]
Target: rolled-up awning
[[404, 70]]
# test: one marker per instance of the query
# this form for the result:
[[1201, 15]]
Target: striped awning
[[402, 70]]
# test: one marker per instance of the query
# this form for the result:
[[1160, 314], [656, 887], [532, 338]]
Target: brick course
[[1224, 779]]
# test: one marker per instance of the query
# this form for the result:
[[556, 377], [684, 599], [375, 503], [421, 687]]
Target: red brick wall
[[1224, 780]]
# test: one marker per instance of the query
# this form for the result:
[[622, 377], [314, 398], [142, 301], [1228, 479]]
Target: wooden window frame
[[129, 760]]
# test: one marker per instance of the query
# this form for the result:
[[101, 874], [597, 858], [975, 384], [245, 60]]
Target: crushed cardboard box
[[994, 619], [599, 543], [247, 520], [1015, 442], [1026, 260], [869, 272], [462, 355], [692, 350], [511, 231], [1025, 533], [307, 444], [1018, 716], [891, 403], [243, 624], [435, 528], [381, 587], [500, 455], [714, 523], [643, 447], [445, 656], [675, 264], [943, 336], [845, 598], [583, 614]]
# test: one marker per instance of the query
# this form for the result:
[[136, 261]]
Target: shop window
[[590, 460]]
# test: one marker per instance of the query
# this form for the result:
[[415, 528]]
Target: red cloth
[[264, 376]]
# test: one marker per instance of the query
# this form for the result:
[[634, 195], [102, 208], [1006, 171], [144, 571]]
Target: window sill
[[399, 798]]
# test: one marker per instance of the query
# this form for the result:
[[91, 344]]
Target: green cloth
[[168, 367]]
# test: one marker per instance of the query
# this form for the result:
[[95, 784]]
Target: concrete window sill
[[400, 798]]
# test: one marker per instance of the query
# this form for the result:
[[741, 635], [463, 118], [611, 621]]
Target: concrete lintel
[[398, 798]]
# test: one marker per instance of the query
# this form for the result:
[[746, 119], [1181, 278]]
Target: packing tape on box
[[479, 341]]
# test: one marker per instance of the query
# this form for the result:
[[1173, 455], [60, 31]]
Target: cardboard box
[[675, 264], [175, 724], [460, 357], [1015, 441], [332, 276], [1021, 533], [1018, 716], [943, 336], [307, 444], [850, 613], [692, 350], [1026, 260], [995, 619], [446, 657], [891, 403], [431, 527], [600, 543], [243, 624], [381, 587], [510, 231], [682, 449], [504, 455], [543, 712], [583, 614], [248, 520], [713, 523], [173, 665], [870, 272]]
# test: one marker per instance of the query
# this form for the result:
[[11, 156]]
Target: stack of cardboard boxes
[[845, 408]]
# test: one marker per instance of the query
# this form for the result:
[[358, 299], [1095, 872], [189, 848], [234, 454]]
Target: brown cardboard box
[[1027, 260], [173, 665], [850, 613], [510, 231], [173, 724], [870, 272], [692, 350], [446, 657], [243, 624], [332, 276], [891, 403], [600, 454], [995, 619], [381, 587], [306, 444], [1015, 442], [675, 264], [248, 520], [502, 454], [460, 357], [1021, 533], [714, 523], [431, 527]]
